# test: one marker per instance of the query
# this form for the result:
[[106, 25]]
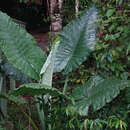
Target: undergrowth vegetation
[[83, 84]]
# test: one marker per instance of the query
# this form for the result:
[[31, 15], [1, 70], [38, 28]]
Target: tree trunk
[[56, 15], [76, 7]]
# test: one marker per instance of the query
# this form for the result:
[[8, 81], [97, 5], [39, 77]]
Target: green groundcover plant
[[72, 48]]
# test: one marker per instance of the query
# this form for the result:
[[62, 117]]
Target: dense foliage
[[111, 58], [91, 72]]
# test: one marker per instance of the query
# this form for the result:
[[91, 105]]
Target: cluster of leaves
[[111, 57], [76, 44]]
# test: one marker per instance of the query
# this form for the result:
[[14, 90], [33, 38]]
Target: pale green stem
[[1, 83], [41, 116], [12, 84], [31, 121], [66, 84], [3, 102]]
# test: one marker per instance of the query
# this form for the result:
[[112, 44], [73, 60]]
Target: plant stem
[[41, 113], [41, 116], [1, 83], [12, 84], [3, 102], [66, 83], [31, 121]]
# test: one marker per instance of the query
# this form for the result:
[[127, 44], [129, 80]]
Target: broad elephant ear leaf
[[77, 41], [48, 67], [11, 71], [20, 48], [96, 93], [36, 89]]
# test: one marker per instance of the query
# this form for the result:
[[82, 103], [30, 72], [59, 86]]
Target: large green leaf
[[20, 48], [47, 74], [48, 67], [96, 93], [77, 41], [36, 89], [14, 73]]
